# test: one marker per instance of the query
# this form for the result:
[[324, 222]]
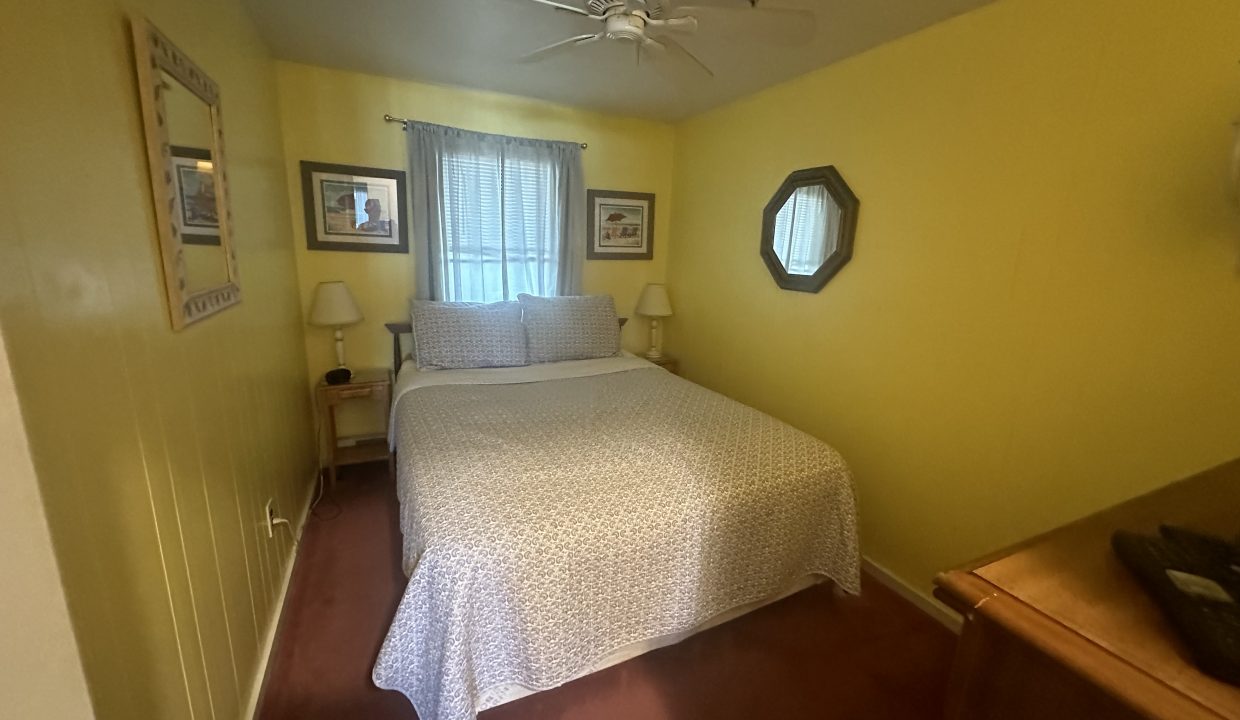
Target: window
[[502, 225], [494, 216]]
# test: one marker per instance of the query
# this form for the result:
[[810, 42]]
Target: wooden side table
[[374, 385], [668, 363]]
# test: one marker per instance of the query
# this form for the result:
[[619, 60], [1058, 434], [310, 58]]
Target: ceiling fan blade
[[686, 25], [779, 26], [669, 47], [560, 46], [562, 6], [673, 7]]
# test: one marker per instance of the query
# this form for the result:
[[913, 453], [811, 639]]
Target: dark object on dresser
[[1195, 579]]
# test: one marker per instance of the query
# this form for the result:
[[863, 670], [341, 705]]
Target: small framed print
[[621, 225], [357, 209], [197, 214]]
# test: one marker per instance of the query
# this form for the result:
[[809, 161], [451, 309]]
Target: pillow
[[454, 335], [570, 328]]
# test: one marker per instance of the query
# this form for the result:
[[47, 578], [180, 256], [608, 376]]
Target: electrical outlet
[[273, 519]]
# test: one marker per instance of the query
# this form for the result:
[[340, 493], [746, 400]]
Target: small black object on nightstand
[[339, 376]]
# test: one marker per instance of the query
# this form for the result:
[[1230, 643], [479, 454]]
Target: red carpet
[[813, 655]]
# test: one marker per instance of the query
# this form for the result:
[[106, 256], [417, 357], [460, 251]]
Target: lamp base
[[654, 354], [339, 376]]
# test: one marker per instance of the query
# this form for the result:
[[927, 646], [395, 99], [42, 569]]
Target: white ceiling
[[473, 43]]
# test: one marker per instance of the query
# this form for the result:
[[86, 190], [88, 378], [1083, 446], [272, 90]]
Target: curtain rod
[[406, 121]]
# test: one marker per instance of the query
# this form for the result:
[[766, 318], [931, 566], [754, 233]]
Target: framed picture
[[197, 214], [621, 225], [352, 208]]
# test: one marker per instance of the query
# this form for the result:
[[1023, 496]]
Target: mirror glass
[[807, 230], [196, 211]]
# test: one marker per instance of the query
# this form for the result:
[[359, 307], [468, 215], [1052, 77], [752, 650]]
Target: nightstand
[[366, 385], [668, 363]]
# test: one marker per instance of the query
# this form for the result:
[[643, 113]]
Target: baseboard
[[273, 623], [922, 600]]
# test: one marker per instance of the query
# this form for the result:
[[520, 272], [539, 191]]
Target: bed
[[562, 517]]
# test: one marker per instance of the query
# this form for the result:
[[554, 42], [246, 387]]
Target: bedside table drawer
[[351, 392]]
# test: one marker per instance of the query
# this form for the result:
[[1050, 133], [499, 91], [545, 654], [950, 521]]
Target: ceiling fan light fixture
[[631, 28], [641, 23]]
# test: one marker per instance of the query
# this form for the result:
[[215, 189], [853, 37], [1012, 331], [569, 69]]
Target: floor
[[812, 655]]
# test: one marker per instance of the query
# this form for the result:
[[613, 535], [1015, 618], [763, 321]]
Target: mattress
[[562, 517]]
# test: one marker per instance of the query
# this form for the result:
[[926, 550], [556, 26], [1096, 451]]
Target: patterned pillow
[[453, 335], [570, 328]]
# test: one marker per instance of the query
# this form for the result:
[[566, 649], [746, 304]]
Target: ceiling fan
[[648, 25]]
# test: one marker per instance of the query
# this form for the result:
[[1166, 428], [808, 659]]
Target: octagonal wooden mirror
[[808, 228]]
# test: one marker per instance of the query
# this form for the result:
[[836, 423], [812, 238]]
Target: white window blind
[[502, 222]]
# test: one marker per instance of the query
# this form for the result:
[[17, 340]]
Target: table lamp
[[333, 306], [654, 305]]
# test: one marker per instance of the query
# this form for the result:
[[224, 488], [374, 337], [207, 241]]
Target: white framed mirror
[[185, 149]]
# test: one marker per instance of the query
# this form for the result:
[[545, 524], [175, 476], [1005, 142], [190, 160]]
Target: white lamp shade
[[333, 305], [654, 301]]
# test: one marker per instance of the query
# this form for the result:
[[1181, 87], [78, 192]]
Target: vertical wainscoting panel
[[155, 451]]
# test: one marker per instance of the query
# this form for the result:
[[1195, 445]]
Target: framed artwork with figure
[[352, 208], [620, 225], [197, 214]]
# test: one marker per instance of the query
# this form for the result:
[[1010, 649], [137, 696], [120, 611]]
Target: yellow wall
[[1041, 315], [155, 450], [337, 117]]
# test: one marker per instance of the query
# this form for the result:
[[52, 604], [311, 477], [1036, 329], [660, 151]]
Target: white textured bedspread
[[547, 524]]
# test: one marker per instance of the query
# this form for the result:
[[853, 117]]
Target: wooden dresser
[[1056, 627]]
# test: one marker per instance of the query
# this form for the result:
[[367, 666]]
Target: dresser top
[[1072, 576]]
